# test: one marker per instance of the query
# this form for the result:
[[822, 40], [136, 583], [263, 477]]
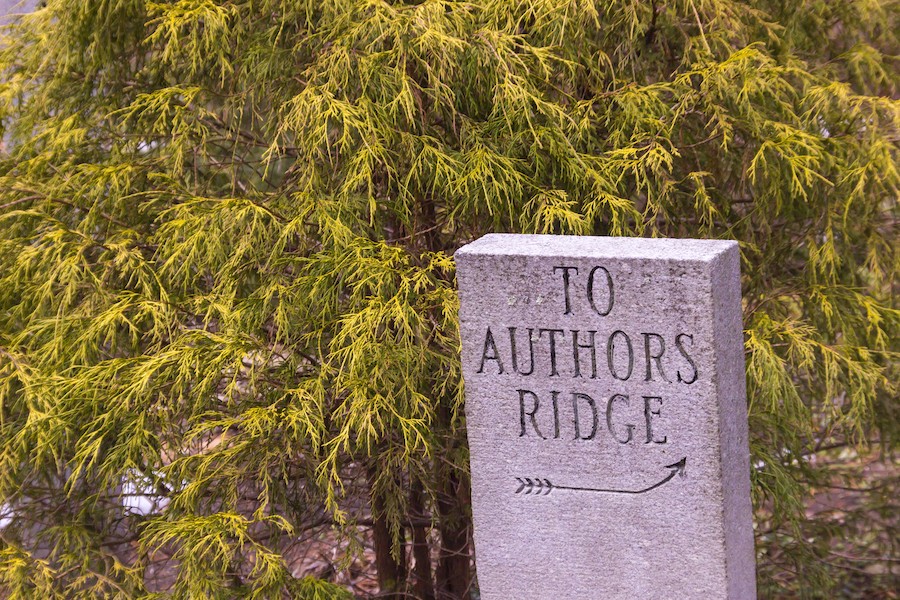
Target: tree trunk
[[453, 575], [391, 569], [424, 585]]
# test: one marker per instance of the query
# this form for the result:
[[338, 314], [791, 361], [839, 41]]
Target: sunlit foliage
[[226, 231]]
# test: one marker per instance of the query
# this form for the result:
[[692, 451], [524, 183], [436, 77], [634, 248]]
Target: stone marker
[[607, 419]]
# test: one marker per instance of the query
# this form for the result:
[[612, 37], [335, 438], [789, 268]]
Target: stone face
[[606, 415]]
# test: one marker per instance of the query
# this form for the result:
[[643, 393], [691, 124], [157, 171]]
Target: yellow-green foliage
[[226, 230]]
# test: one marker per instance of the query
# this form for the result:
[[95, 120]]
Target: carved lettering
[[514, 355], [536, 405], [588, 346], [555, 399], [579, 396], [650, 412], [490, 344], [687, 357], [611, 354], [623, 421], [656, 357], [629, 428], [565, 278], [610, 295], [553, 333], [582, 415]]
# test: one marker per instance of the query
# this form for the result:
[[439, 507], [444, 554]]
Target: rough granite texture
[[674, 301]]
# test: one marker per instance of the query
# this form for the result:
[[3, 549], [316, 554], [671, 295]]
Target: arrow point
[[679, 466]]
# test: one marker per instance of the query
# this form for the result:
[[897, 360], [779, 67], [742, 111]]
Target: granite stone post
[[607, 418]]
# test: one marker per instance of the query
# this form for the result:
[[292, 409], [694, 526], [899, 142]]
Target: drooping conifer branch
[[227, 305]]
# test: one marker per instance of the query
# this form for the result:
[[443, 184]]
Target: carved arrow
[[543, 486], [538, 486]]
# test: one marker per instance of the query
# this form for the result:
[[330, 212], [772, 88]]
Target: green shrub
[[226, 283]]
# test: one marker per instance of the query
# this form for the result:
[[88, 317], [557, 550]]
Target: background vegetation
[[227, 307]]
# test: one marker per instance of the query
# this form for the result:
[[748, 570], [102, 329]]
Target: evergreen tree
[[226, 285]]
